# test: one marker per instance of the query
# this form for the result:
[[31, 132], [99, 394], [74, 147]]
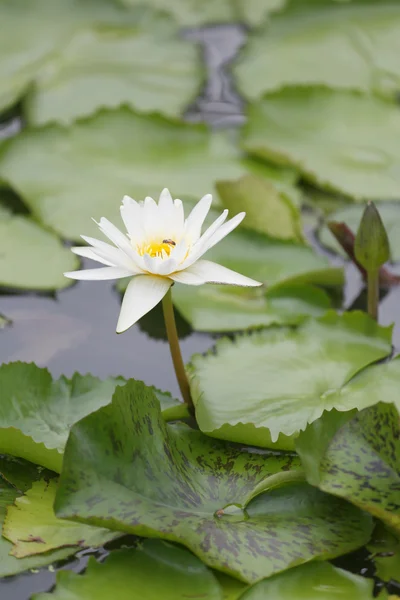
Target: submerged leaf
[[154, 570], [32, 257], [287, 378], [146, 67], [125, 468], [357, 457], [347, 45], [37, 412], [314, 581], [33, 528], [304, 128]]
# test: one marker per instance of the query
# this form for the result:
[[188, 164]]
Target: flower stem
[[175, 349], [373, 293]]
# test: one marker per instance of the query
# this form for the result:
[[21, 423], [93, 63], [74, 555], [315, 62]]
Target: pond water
[[74, 330]]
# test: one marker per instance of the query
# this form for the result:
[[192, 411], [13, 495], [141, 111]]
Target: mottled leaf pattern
[[124, 468]]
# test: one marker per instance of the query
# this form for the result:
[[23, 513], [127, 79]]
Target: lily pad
[[224, 308], [155, 570], [37, 412], [31, 257], [32, 30], [357, 40], [304, 128], [9, 565], [269, 207], [351, 215], [314, 581], [356, 457], [287, 378], [125, 468], [68, 176], [385, 553], [209, 12], [33, 528], [147, 68]]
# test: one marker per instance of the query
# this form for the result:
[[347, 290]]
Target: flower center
[[161, 249]]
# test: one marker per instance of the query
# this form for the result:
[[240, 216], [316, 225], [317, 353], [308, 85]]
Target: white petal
[[196, 218], [223, 231], [211, 272], [187, 277], [114, 234], [101, 273], [132, 216], [152, 224], [86, 252], [115, 256], [165, 200], [198, 249], [142, 294], [179, 215]]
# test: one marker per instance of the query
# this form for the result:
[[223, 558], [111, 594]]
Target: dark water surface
[[74, 330]]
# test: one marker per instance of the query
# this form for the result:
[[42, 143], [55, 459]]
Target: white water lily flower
[[161, 247]]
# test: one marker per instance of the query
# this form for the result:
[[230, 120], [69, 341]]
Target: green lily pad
[[33, 30], [351, 215], [148, 68], [356, 457], [268, 206], [155, 570], [9, 565], [37, 412], [125, 468], [225, 308], [209, 12], [30, 256], [33, 528], [314, 581], [378, 383], [21, 474], [385, 553], [288, 50], [304, 128], [68, 176], [287, 378]]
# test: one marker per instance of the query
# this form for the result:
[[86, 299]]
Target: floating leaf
[[351, 215], [125, 468], [224, 308], [33, 528], [287, 378], [304, 128], [269, 207], [356, 457], [157, 569], [194, 14], [357, 40], [37, 412], [9, 565], [30, 256], [21, 474], [385, 553], [147, 68], [68, 176], [33, 30], [314, 581]]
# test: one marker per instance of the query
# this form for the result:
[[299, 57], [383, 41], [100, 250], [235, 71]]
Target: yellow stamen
[[157, 248]]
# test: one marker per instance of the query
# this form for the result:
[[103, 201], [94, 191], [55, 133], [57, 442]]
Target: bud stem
[[373, 293], [172, 334]]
